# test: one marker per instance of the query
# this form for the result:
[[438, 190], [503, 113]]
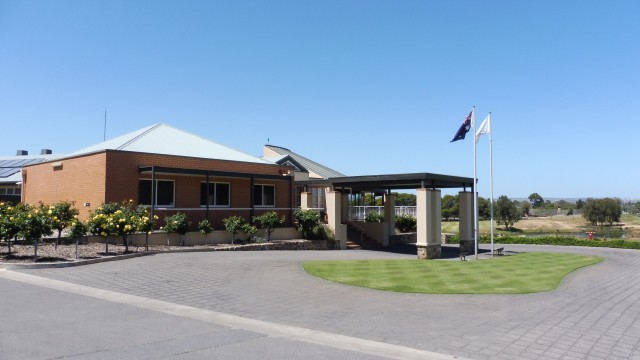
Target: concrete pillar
[[428, 216], [334, 215], [345, 208], [389, 218], [467, 241], [305, 200]]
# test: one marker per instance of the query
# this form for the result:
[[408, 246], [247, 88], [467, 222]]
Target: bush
[[405, 223], [177, 223], [373, 217], [307, 221], [562, 241], [205, 227]]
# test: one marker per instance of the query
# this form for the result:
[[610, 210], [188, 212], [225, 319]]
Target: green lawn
[[515, 274]]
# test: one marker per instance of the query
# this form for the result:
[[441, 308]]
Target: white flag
[[484, 128]]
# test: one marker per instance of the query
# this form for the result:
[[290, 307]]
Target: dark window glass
[[144, 192], [164, 192], [264, 195], [222, 194], [219, 194]]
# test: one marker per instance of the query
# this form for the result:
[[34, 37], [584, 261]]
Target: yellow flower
[[50, 212]]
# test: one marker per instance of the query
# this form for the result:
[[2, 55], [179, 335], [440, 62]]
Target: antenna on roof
[[267, 141], [104, 134]]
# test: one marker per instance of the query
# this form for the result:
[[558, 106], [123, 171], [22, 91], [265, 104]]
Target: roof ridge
[[139, 136]]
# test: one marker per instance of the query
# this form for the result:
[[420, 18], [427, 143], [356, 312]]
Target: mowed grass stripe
[[515, 274]]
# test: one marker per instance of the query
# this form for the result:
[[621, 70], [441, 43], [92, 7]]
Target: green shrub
[[177, 223], [205, 227], [250, 231], [374, 217], [562, 241], [405, 223], [307, 221]]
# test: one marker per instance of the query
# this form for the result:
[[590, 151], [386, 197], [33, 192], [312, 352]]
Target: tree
[[63, 214], [525, 206], [233, 224], [484, 208], [601, 211], [269, 221], [536, 200], [205, 228], [507, 213], [177, 224], [579, 204], [34, 222], [404, 199], [146, 223], [450, 207], [8, 225]]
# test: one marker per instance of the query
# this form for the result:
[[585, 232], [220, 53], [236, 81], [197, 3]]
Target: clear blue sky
[[365, 87]]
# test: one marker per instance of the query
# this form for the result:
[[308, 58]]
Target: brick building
[[168, 169]]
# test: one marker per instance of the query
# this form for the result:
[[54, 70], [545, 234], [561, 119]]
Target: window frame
[[215, 195], [173, 187], [262, 205]]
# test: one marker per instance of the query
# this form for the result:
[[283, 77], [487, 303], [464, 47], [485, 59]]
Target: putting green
[[514, 274]]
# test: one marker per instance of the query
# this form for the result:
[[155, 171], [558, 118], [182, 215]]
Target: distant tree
[[536, 200], [371, 200], [484, 208], [507, 212], [579, 204], [450, 207], [404, 199], [525, 207], [601, 211]]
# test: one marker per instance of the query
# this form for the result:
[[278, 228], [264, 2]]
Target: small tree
[[34, 223], [77, 230], [507, 212], [98, 224], [307, 221], [177, 223], [269, 221], [63, 214], [249, 230], [8, 225], [146, 224], [205, 227], [233, 224]]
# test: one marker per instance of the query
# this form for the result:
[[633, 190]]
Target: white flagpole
[[475, 187], [491, 176]]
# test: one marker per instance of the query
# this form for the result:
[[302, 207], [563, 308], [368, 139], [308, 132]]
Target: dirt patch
[[49, 253]]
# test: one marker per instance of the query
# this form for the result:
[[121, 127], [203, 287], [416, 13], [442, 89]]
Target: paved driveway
[[594, 314]]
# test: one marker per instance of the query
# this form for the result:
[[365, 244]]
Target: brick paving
[[595, 313]]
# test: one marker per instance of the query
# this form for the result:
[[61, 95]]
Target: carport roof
[[380, 183]]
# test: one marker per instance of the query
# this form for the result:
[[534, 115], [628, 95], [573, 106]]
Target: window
[[264, 195], [164, 192], [219, 194]]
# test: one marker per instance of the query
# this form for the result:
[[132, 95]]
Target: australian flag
[[464, 128]]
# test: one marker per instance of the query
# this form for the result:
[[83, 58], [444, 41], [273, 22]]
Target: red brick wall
[[80, 180], [113, 176]]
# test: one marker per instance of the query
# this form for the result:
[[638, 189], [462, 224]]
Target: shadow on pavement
[[448, 251]]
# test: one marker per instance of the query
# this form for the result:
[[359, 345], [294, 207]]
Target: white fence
[[358, 213]]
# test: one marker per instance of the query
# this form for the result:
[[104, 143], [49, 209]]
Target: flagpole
[[475, 185], [491, 176]]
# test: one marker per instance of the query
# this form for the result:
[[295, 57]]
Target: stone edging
[[276, 245]]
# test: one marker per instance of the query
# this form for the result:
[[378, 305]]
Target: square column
[[466, 215], [305, 200], [334, 215], [389, 218], [428, 216]]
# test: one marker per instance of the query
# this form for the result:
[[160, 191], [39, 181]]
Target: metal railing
[[358, 213]]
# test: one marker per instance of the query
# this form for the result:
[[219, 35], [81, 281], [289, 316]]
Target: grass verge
[[515, 274]]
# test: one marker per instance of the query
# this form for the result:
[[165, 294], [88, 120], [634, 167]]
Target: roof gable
[[308, 164], [167, 140]]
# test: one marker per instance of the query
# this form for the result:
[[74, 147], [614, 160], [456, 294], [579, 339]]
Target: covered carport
[[428, 212]]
